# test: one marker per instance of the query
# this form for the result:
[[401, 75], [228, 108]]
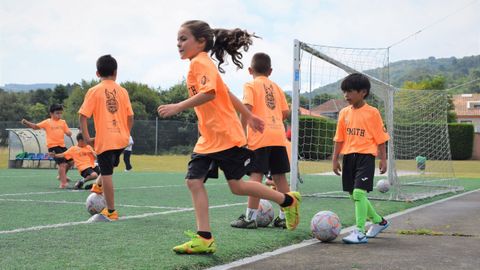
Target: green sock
[[372, 214], [361, 208]]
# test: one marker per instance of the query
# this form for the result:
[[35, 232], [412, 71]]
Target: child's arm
[[336, 152], [59, 155], [29, 124], [382, 155], [193, 101], [84, 129], [253, 121], [243, 120]]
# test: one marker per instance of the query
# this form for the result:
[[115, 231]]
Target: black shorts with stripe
[[358, 171], [234, 162]]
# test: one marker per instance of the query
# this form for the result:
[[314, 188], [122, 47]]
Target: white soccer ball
[[383, 185], [265, 213], [95, 203], [325, 226]]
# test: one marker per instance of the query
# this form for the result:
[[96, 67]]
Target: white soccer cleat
[[355, 237], [98, 218], [375, 229]]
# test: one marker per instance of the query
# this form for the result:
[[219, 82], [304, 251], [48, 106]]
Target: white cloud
[[59, 41]]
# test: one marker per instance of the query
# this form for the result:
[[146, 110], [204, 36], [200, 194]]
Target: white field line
[[309, 242], [60, 225], [83, 203], [123, 188]]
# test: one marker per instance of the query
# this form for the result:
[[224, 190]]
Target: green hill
[[455, 70]]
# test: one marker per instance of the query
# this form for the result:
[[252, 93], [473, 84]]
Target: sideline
[[309, 242]]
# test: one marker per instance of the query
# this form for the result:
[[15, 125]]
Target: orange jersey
[[361, 130], [268, 102], [55, 130], [218, 123], [84, 157], [110, 106]]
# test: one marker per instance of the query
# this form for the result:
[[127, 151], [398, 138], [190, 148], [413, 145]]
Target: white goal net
[[419, 159]]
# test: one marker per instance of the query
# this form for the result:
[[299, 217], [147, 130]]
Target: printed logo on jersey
[[204, 80], [193, 90], [356, 132], [112, 103], [269, 97]]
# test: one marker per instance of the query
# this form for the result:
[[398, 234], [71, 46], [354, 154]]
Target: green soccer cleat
[[198, 245], [292, 213]]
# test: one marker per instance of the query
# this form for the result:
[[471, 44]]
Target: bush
[[316, 137], [461, 140]]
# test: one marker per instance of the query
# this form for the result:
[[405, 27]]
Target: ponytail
[[221, 41]]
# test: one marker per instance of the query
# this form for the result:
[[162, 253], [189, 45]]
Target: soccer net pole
[[390, 90]]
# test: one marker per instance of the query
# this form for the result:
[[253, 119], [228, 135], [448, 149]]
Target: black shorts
[[59, 150], [109, 160], [273, 159], [234, 163], [358, 171], [89, 171]]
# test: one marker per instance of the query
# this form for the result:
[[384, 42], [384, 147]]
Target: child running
[[55, 128], [360, 137], [84, 158], [264, 98], [112, 112], [221, 138]]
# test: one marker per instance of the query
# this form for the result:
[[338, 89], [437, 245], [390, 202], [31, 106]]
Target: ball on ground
[[325, 226], [383, 185], [95, 203], [265, 213]]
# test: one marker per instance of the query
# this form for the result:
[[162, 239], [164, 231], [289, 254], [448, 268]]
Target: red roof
[[467, 105], [304, 111], [333, 105]]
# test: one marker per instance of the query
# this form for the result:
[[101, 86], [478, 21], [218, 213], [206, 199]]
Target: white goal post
[[415, 130]]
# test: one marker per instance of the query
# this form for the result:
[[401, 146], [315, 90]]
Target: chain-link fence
[[151, 137]]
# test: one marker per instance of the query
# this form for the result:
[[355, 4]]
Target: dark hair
[[357, 82], [56, 107], [221, 41], [79, 137], [261, 63], [106, 65]]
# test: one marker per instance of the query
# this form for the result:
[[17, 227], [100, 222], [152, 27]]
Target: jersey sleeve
[[69, 153], [379, 132], [88, 105], [340, 132], [66, 129], [248, 96], [43, 124], [205, 77]]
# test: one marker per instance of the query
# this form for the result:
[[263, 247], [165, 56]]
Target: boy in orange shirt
[[221, 140], [84, 158], [110, 106], [360, 137], [55, 128], [265, 99]]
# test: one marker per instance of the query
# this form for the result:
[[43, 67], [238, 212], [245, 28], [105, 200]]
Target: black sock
[[206, 235], [111, 211], [287, 201], [383, 222]]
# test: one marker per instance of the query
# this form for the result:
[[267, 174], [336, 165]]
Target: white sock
[[281, 214], [251, 214]]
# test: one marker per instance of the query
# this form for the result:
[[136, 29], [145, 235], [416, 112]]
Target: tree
[[37, 112], [12, 108], [42, 96], [436, 83], [59, 94], [143, 95], [321, 98]]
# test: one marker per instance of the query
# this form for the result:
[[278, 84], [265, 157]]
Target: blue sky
[[54, 41]]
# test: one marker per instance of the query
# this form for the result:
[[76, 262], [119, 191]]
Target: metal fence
[[151, 137]]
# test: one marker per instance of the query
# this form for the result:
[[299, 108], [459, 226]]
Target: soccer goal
[[419, 159]]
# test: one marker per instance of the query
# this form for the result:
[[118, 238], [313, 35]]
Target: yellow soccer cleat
[[97, 189], [292, 212], [111, 216], [198, 245]]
